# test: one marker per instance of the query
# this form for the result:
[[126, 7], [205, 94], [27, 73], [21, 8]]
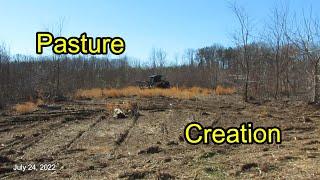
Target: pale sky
[[173, 25]]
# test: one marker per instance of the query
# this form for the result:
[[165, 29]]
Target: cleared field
[[84, 141]]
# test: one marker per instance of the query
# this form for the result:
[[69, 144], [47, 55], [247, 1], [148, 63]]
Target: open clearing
[[86, 142]]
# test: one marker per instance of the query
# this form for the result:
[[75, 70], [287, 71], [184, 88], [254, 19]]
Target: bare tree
[[306, 38], [277, 39], [161, 56], [158, 58], [60, 26], [4, 74], [153, 58], [243, 39], [190, 56]]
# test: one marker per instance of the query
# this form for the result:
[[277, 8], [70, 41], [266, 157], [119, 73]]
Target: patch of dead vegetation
[[220, 90], [27, 107], [175, 92]]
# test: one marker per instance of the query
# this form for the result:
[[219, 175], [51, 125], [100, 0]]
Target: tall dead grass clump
[[89, 93], [27, 107], [220, 90], [180, 93]]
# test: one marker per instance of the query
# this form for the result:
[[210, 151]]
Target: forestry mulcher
[[155, 81]]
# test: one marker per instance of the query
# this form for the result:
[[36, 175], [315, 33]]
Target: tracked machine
[[155, 81]]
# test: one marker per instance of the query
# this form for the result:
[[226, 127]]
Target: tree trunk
[[317, 83], [246, 86]]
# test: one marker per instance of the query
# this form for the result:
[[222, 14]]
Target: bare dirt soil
[[84, 141]]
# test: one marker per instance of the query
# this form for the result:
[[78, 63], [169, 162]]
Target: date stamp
[[35, 167]]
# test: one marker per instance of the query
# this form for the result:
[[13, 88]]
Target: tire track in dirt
[[99, 119], [98, 144], [11, 124], [57, 139], [39, 149], [42, 116], [31, 120], [37, 133], [92, 144], [106, 136], [124, 135], [23, 144], [137, 147], [19, 140]]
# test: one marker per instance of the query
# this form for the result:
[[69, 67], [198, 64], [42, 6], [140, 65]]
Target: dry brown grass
[[180, 93], [224, 90], [27, 107]]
